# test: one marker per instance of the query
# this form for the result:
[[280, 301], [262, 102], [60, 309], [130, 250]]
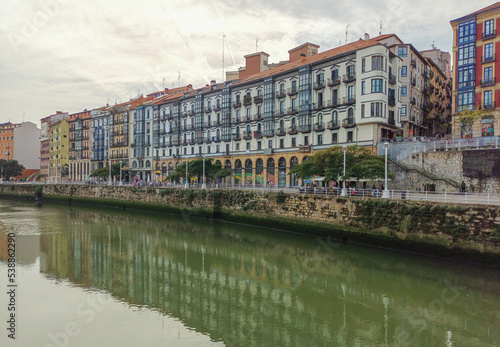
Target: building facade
[[45, 142], [476, 73], [79, 142], [26, 145], [59, 151], [7, 140], [101, 128]]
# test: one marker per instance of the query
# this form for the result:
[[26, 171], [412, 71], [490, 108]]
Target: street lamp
[[121, 183], [385, 194], [344, 190], [186, 185], [204, 185]]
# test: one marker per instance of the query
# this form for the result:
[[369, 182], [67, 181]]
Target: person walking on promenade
[[462, 187]]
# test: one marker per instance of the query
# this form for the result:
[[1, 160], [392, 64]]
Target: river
[[107, 277]]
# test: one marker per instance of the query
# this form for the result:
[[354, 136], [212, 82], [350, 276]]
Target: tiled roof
[[488, 8], [350, 47]]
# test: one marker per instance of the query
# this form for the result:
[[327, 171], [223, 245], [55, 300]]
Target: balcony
[[348, 101], [257, 99], [490, 59], [488, 36], [333, 125], [236, 120], [292, 91], [349, 78], [215, 123], [414, 81], [392, 101], [318, 105], [292, 110], [319, 127], [392, 79], [281, 132], [413, 101], [237, 104], [319, 85], [413, 63], [190, 113], [236, 137], [217, 108], [280, 113], [488, 82], [280, 94], [333, 103], [247, 101], [247, 135], [257, 116], [269, 133], [305, 128], [208, 109], [292, 131], [348, 123], [332, 82], [257, 135], [305, 149], [391, 121]]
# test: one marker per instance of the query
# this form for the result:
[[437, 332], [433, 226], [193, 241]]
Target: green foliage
[[468, 117], [11, 168], [195, 169], [280, 197], [360, 164], [115, 171], [39, 191]]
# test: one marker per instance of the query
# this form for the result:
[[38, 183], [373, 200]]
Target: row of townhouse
[[271, 117]]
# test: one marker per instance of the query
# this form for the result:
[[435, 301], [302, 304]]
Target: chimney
[[302, 57], [367, 36], [212, 83], [254, 63], [307, 49]]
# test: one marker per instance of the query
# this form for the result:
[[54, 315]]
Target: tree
[[468, 117], [115, 171], [360, 164], [10, 168], [195, 169]]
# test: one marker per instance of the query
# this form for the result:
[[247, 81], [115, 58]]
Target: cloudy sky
[[72, 55]]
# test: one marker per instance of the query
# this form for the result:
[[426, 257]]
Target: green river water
[[104, 277]]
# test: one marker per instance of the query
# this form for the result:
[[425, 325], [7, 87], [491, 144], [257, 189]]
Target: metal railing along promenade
[[440, 197]]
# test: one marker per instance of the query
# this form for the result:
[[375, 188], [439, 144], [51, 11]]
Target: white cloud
[[72, 55]]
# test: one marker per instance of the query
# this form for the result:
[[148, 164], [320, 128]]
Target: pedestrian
[[462, 187]]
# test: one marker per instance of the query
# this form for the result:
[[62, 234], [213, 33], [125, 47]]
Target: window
[[363, 88], [334, 137], [294, 142], [294, 86], [259, 145], [320, 139], [320, 79], [282, 143], [248, 146], [488, 51], [237, 146], [403, 51], [466, 54], [465, 100], [270, 144], [404, 91], [217, 149], [350, 71], [488, 28], [377, 62], [466, 32], [350, 93], [466, 76], [306, 140], [377, 85], [404, 71], [363, 111], [488, 74], [363, 65], [403, 111], [376, 109], [349, 136], [488, 100], [282, 107]]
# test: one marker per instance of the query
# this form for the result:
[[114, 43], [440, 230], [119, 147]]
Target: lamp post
[[187, 178], [344, 190], [121, 183], [385, 194], [204, 185]]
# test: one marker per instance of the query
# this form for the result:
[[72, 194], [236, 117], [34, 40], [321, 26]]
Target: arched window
[[271, 180], [218, 134], [334, 117], [294, 124], [218, 163], [282, 163], [350, 113], [259, 168], [259, 128], [248, 128], [157, 166], [237, 171], [282, 125], [227, 164], [306, 158], [237, 130], [164, 169], [320, 118], [148, 163]]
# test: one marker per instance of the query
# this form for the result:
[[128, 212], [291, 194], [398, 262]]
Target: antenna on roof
[[178, 79], [346, 33], [380, 31], [163, 83], [433, 46], [256, 45]]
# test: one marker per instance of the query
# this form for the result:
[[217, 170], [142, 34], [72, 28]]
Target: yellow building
[[59, 151]]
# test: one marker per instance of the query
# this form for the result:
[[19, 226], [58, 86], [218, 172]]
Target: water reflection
[[243, 286]]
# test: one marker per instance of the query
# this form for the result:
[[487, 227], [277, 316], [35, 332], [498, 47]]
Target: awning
[[318, 179]]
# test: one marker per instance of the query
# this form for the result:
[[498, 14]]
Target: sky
[[67, 55]]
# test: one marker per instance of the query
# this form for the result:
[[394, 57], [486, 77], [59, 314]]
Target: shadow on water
[[253, 286]]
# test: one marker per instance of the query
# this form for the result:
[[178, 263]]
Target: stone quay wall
[[466, 232]]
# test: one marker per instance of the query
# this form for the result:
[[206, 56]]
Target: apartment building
[[7, 140], [26, 145], [476, 73], [59, 151], [270, 119], [79, 142], [45, 141], [101, 128]]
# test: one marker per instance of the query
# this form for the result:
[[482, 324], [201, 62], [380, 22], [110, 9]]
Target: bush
[[280, 197]]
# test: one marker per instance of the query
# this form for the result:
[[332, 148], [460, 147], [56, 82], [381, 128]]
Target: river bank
[[468, 233]]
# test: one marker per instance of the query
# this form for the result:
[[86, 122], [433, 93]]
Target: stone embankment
[[465, 232]]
